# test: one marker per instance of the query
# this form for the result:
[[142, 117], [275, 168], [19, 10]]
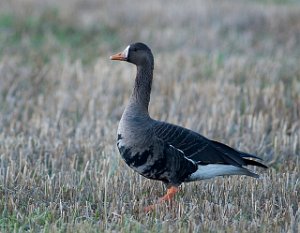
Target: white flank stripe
[[213, 170], [176, 149]]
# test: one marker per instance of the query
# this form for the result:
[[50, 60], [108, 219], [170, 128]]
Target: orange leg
[[170, 194]]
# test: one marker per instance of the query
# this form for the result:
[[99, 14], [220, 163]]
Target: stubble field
[[227, 69]]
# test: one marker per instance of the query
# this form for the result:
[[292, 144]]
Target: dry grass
[[226, 69]]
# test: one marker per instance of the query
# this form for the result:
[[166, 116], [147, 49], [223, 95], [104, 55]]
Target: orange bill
[[121, 56], [118, 57]]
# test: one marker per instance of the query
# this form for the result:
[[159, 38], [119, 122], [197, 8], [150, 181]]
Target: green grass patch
[[40, 37]]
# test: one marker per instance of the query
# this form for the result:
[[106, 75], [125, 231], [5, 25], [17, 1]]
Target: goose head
[[137, 53]]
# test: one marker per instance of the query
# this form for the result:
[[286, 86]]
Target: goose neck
[[142, 88]]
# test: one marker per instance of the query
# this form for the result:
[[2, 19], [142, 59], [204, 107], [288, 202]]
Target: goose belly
[[146, 161]]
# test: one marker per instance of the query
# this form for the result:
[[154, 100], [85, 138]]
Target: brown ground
[[226, 69]]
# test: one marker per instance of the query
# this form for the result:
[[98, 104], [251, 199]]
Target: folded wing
[[200, 149]]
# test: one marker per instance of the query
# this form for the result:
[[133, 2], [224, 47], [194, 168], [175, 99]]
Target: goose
[[166, 152]]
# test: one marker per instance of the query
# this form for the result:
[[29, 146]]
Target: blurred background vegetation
[[228, 69], [39, 30]]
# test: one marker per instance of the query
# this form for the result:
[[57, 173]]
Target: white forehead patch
[[126, 51]]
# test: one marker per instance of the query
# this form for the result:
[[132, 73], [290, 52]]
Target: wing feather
[[199, 148]]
